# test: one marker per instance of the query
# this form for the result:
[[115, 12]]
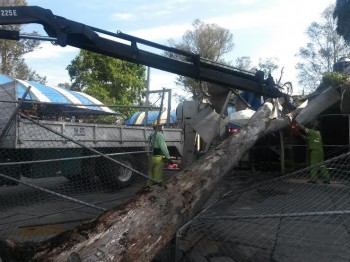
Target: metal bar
[[67, 159], [53, 193], [38, 37], [145, 42], [169, 107], [67, 104], [161, 106], [88, 148], [293, 145], [147, 94], [14, 113], [242, 99], [55, 213], [302, 214]]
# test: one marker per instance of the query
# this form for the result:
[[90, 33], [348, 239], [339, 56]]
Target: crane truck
[[61, 31]]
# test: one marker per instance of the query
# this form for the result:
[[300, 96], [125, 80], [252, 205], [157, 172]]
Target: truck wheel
[[114, 175], [125, 175]]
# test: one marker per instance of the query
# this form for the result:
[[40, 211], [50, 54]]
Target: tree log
[[140, 228]]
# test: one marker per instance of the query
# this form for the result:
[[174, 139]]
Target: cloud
[[50, 51], [162, 32], [51, 61], [160, 79], [245, 2], [54, 73], [123, 16]]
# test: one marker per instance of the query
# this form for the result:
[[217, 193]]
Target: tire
[[125, 175], [113, 175]]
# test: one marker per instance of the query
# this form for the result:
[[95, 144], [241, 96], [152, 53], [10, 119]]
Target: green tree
[[342, 13], [268, 65], [323, 50], [210, 41], [108, 79], [244, 63], [12, 62], [65, 85]]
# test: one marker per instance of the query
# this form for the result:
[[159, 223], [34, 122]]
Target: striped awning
[[138, 118], [47, 93]]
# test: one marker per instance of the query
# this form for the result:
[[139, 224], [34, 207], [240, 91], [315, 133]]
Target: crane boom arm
[[68, 32]]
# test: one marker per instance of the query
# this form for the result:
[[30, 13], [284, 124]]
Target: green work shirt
[[159, 142], [313, 138]]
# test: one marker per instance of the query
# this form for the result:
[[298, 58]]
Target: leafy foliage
[[210, 41], [244, 63], [342, 13], [11, 52], [334, 79], [323, 50], [108, 79], [268, 65]]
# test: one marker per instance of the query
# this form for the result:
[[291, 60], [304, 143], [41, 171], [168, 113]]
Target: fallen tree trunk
[[140, 228], [307, 111]]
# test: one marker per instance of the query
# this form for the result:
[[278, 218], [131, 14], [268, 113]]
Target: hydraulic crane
[[62, 31]]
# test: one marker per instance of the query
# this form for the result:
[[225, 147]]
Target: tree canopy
[[213, 42], [342, 13], [12, 62], [210, 41], [325, 47], [108, 79]]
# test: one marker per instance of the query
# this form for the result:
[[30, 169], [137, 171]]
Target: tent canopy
[[58, 95], [138, 118]]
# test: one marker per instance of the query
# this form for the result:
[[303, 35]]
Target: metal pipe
[[147, 94], [67, 159], [53, 193], [169, 107], [42, 38], [67, 104], [161, 106], [320, 213]]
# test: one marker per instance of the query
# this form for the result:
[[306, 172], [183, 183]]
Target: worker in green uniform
[[159, 151], [314, 140]]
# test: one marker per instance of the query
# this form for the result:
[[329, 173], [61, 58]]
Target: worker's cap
[[155, 123]]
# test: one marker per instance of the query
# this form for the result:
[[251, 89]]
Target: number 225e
[[8, 13]]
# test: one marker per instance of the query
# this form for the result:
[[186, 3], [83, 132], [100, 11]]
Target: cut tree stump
[[144, 225]]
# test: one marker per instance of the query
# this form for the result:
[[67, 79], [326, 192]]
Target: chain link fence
[[283, 218], [62, 163]]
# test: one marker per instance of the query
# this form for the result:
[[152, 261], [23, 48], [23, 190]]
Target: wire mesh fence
[[281, 219], [62, 163]]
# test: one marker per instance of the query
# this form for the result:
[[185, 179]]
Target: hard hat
[[155, 123]]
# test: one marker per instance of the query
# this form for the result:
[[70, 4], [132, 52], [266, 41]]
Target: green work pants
[[155, 169], [316, 157]]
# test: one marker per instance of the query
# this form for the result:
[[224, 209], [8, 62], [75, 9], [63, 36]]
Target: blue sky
[[261, 29]]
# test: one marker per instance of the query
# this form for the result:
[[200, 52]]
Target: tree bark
[[140, 228]]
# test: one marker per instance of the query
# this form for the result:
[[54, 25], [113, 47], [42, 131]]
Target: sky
[[260, 28]]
